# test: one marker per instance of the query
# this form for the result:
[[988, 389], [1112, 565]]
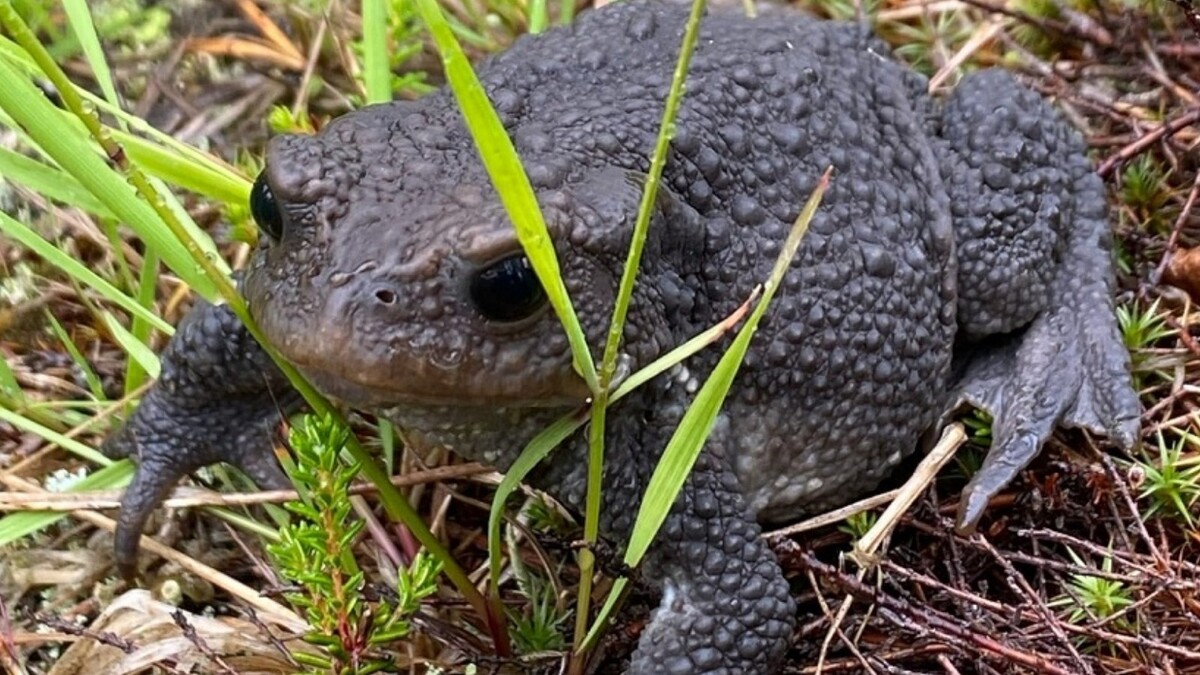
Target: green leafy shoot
[[859, 524], [1092, 598], [538, 626], [608, 366], [316, 551], [1172, 485], [543, 444]]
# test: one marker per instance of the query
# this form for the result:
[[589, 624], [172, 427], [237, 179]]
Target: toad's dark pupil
[[507, 290], [265, 209]]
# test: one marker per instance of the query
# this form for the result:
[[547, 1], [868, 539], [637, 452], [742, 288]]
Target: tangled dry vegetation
[[1085, 565]]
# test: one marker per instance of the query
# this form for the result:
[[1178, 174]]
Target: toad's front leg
[[726, 606], [218, 399]]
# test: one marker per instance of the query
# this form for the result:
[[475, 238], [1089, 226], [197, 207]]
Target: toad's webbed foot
[[1036, 274], [726, 607], [217, 399]]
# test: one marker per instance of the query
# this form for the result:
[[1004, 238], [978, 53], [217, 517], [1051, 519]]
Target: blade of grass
[[164, 156], [66, 443], [76, 270], [690, 435], [135, 348], [11, 393], [377, 73], [537, 16], [135, 373], [49, 182], [532, 455], [608, 366], [18, 525], [499, 157], [74, 153], [80, 20], [541, 446], [89, 373]]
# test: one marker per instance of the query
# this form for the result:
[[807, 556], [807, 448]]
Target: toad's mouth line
[[355, 388]]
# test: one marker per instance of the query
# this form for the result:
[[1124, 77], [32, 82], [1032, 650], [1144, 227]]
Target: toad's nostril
[[386, 296]]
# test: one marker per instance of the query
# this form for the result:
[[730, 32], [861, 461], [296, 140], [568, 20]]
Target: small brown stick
[[193, 497], [865, 549], [285, 616], [189, 633], [835, 516], [1095, 34], [1139, 641], [994, 606], [928, 618], [1165, 130], [1022, 586]]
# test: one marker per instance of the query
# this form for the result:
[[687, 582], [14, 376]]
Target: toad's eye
[[265, 209], [507, 290]]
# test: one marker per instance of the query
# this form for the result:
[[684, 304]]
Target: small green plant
[[928, 43], [1140, 330], [1093, 598], [538, 626], [1144, 190], [316, 552], [859, 524], [1030, 34], [1173, 484]]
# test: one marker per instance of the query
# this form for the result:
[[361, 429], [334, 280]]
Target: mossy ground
[[1086, 563]]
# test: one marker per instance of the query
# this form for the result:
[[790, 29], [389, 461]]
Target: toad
[[961, 255]]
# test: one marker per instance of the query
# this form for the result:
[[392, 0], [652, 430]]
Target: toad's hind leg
[[1040, 346]]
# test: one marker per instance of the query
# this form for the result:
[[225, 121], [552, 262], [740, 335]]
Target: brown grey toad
[[961, 254]]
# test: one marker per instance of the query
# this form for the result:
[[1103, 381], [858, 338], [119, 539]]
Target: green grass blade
[[49, 182], [537, 16], [689, 437], [532, 455], [616, 330], [46, 125], [17, 525], [679, 354], [89, 373], [377, 73], [215, 182], [76, 270], [69, 444], [161, 155], [135, 348], [10, 390], [615, 595], [135, 375], [81, 23], [499, 157]]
